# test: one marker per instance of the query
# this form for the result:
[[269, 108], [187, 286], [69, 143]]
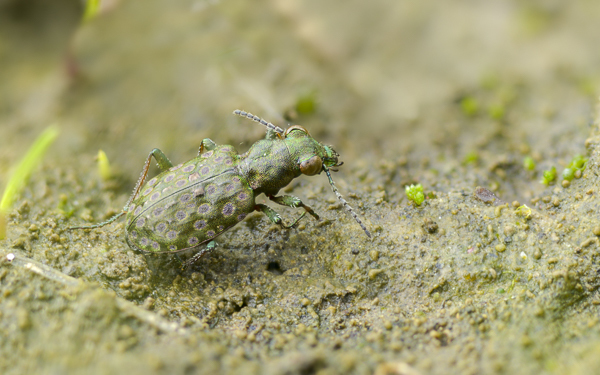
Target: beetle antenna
[[339, 196], [270, 126]]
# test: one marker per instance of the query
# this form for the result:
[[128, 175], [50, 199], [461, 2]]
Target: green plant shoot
[[549, 176], [92, 8], [471, 158], [103, 165], [577, 164], [415, 193], [524, 211], [529, 163], [469, 106], [19, 176]]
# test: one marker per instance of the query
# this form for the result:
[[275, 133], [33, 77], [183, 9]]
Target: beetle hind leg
[[98, 225]]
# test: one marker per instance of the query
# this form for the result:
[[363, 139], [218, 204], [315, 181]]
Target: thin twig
[[125, 306]]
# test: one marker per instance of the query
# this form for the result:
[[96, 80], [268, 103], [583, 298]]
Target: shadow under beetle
[[190, 204]]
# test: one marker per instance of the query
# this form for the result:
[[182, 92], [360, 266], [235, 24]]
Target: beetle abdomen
[[190, 204]]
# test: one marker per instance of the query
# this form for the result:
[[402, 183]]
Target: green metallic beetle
[[190, 204]]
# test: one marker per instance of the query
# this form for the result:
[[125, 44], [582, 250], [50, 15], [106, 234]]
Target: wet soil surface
[[494, 272]]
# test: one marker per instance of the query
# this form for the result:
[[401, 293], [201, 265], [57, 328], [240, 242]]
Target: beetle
[[188, 205]]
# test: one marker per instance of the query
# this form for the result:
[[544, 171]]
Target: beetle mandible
[[190, 204]]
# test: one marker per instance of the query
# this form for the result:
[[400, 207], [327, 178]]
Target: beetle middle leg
[[188, 263], [206, 144], [275, 217], [294, 202]]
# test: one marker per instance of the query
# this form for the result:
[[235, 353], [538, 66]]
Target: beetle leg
[[163, 163], [98, 225], [206, 144], [161, 159], [275, 217], [294, 202], [209, 247]]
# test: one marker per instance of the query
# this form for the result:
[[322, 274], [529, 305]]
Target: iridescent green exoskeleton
[[188, 205]]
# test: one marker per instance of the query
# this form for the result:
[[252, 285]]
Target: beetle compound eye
[[311, 166]]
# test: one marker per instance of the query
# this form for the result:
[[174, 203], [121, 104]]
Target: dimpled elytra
[[186, 206]]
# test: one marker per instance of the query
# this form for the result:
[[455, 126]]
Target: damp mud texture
[[494, 273]]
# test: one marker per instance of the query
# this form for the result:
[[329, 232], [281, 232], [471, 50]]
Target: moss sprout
[[469, 106], [415, 193], [471, 158], [529, 163], [496, 111], [524, 211], [549, 176], [578, 163], [306, 104]]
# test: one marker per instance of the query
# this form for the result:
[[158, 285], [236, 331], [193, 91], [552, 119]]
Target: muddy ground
[[452, 96]]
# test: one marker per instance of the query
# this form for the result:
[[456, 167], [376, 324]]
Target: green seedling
[[471, 158], [549, 176], [469, 106], [578, 163], [524, 211], [20, 175], [307, 103], [415, 193], [92, 8], [188, 205], [103, 166], [529, 163], [496, 111]]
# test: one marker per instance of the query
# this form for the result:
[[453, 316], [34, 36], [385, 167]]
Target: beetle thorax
[[268, 166]]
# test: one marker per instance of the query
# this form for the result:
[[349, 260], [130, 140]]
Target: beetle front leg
[[275, 217], [206, 144], [294, 202]]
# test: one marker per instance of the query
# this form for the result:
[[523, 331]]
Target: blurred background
[[379, 81], [452, 95]]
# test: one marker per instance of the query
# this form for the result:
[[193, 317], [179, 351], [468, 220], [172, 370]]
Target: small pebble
[[588, 242], [485, 195], [596, 230], [566, 183], [500, 248], [374, 272], [510, 230], [429, 225], [516, 204], [589, 142], [578, 173]]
